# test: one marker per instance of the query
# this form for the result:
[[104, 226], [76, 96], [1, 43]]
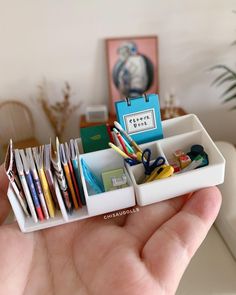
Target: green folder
[[94, 138]]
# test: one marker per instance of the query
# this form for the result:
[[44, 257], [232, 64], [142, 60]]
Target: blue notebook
[[140, 117]]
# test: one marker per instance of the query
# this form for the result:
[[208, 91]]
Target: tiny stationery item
[[65, 164], [161, 172], [59, 173], [38, 157], [184, 160], [20, 170], [48, 172], [31, 185], [178, 153], [74, 153], [37, 183], [10, 168], [72, 173], [129, 138], [196, 163], [94, 138], [95, 185], [146, 160], [176, 165], [140, 117], [196, 150], [114, 179]]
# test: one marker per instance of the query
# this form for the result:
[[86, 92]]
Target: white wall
[[64, 40]]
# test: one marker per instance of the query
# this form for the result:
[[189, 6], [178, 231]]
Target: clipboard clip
[[145, 96], [128, 99]]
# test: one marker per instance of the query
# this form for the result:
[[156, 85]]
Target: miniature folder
[[140, 117]]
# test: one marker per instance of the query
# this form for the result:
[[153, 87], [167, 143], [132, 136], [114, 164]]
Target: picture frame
[[132, 65]]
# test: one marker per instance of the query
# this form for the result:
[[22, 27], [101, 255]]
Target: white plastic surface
[[179, 133]]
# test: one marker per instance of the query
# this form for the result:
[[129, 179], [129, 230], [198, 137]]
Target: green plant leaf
[[230, 98], [224, 68], [219, 78], [226, 79], [232, 87], [233, 108]]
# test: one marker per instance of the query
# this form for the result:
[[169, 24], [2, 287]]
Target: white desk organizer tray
[[99, 162], [179, 133]]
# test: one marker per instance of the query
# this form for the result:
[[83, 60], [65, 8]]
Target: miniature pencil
[[133, 143]]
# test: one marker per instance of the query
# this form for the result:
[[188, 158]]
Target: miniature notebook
[[94, 138], [140, 117]]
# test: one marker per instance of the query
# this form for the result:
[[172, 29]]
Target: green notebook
[[114, 179], [94, 138]]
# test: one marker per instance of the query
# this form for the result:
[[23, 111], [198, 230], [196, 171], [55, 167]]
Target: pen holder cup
[[179, 183], [102, 161]]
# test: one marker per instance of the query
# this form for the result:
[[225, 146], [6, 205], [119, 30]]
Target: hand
[[142, 253]]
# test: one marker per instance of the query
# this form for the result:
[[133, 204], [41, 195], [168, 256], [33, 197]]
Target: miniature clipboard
[[140, 117]]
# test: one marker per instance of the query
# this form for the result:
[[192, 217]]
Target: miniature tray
[[179, 133]]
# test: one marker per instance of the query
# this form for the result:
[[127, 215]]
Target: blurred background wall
[[64, 40]]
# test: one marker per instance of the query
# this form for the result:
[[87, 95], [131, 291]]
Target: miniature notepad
[[140, 117], [94, 138]]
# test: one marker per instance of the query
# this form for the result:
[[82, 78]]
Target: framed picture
[[132, 67]]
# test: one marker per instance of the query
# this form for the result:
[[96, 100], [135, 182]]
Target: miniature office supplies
[[94, 138], [150, 167], [176, 165], [10, 169], [37, 183], [72, 173], [161, 172], [114, 179], [196, 163], [119, 151], [66, 168], [184, 160], [31, 185], [132, 142], [178, 153], [74, 153], [182, 132], [20, 170], [109, 132], [196, 150], [38, 157], [48, 172], [59, 173], [132, 162], [94, 184], [140, 117]]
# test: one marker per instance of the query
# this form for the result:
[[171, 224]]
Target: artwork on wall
[[132, 67]]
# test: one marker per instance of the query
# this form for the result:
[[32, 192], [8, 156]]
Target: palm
[[142, 253]]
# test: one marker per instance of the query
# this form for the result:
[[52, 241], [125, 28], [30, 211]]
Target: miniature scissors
[[146, 158], [131, 162]]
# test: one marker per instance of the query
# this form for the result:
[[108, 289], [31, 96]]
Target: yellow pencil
[[119, 151]]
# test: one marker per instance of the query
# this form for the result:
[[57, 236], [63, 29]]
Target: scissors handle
[[150, 167], [132, 162]]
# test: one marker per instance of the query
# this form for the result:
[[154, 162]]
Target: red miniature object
[[184, 161]]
